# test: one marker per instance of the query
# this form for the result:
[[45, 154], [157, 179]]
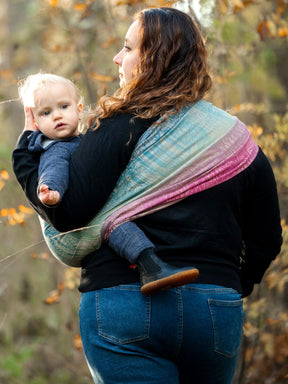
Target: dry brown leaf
[[255, 130], [4, 174], [61, 286], [78, 343], [7, 212], [281, 6], [53, 298], [223, 7], [272, 28], [263, 29], [41, 255], [283, 32], [53, 3], [161, 3], [238, 5], [248, 354], [80, 7], [126, 2], [26, 210]]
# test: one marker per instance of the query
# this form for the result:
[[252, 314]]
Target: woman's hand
[[29, 120]]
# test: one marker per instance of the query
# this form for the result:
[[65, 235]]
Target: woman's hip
[[185, 326]]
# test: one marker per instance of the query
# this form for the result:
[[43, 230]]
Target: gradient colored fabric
[[193, 150]]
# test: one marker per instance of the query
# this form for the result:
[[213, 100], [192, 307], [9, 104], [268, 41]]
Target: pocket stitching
[[107, 336], [224, 303]]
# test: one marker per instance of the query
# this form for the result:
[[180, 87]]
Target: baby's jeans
[[128, 241], [185, 335]]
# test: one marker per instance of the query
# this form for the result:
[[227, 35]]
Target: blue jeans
[[185, 335]]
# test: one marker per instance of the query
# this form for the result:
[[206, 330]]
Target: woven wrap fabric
[[198, 148]]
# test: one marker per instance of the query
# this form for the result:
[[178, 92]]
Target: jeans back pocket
[[227, 320], [123, 314]]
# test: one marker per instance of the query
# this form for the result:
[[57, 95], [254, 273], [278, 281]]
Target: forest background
[[247, 42]]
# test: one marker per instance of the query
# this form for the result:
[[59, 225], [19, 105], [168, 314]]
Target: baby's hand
[[47, 196]]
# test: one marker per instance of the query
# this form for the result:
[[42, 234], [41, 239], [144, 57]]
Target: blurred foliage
[[247, 43]]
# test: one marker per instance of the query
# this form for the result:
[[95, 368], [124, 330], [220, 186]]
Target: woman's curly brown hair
[[172, 71]]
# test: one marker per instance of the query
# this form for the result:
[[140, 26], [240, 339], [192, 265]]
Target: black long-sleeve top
[[208, 230]]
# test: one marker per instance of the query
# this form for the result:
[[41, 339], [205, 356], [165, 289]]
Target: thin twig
[[19, 252], [43, 241], [8, 101]]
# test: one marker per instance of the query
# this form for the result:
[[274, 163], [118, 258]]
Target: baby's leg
[[47, 196], [130, 242]]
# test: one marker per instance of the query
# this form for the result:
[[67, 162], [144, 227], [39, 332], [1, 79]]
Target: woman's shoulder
[[120, 127], [125, 121], [261, 164]]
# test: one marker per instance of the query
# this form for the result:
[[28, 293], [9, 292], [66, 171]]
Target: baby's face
[[57, 111]]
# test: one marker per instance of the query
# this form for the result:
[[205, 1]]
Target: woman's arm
[[94, 170], [262, 228]]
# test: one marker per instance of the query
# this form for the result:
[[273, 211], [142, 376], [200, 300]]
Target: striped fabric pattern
[[196, 149]]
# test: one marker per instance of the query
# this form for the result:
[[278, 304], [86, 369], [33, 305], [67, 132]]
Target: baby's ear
[[80, 109], [36, 125]]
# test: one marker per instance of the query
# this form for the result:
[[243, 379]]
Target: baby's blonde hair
[[33, 83]]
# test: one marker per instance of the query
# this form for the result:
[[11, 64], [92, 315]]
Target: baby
[[57, 110]]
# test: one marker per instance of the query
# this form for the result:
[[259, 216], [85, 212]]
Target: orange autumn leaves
[[82, 7], [78, 7], [4, 176], [71, 274], [274, 26], [15, 216], [269, 27], [54, 296], [71, 281]]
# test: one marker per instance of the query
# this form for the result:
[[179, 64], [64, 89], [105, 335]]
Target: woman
[[193, 333]]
